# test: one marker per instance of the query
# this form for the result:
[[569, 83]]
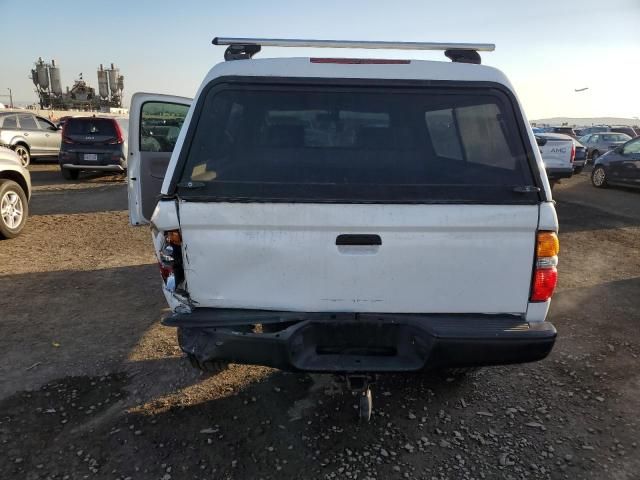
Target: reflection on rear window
[[356, 146], [90, 126]]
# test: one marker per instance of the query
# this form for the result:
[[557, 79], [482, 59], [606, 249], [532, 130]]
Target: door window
[[621, 137], [45, 124], [160, 125], [631, 148], [10, 121], [594, 139], [27, 122]]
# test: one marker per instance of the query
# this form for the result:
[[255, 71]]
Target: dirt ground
[[91, 386]]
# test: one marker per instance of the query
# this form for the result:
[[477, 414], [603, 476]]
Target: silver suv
[[15, 191], [29, 135]]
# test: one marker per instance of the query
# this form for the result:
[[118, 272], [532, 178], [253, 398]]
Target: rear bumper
[[368, 342], [108, 168], [105, 159], [557, 173]]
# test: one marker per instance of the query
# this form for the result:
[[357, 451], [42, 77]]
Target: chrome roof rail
[[244, 48]]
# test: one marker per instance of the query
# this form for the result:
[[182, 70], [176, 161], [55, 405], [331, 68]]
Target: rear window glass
[[355, 146], [90, 126]]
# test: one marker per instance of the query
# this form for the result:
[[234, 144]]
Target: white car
[[15, 191], [352, 216], [558, 154]]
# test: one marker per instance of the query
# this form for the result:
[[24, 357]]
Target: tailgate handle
[[358, 239]]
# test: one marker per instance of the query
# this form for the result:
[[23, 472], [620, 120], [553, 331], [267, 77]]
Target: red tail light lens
[[119, 138], [165, 270], [573, 152], [544, 283], [65, 138], [170, 257], [545, 274]]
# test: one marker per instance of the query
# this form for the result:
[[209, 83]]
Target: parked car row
[[579, 133], [80, 143], [627, 130], [616, 157]]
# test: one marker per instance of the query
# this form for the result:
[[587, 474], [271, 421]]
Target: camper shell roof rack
[[246, 48]]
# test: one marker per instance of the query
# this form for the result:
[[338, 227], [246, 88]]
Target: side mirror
[[541, 141], [619, 150]]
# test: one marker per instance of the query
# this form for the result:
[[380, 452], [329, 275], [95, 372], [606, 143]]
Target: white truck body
[[240, 206]]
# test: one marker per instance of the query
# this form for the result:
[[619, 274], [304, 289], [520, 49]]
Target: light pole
[[10, 97]]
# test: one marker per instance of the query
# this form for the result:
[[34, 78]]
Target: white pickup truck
[[344, 215], [558, 154]]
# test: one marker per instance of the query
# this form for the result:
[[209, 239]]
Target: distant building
[[81, 96]]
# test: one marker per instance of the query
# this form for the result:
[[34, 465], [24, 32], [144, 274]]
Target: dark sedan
[[620, 166]]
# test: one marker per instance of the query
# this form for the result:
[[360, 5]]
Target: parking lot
[[93, 387]]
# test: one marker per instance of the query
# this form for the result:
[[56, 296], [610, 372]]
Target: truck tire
[[14, 209], [594, 156]]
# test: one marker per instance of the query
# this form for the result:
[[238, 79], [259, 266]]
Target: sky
[[547, 48]]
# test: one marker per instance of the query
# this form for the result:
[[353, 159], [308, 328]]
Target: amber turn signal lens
[[548, 244], [173, 237]]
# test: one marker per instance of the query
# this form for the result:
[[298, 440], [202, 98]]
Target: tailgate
[[431, 258], [556, 153]]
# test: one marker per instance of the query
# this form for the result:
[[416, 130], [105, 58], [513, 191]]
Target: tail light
[[170, 260], [545, 274], [119, 138], [66, 139], [573, 152]]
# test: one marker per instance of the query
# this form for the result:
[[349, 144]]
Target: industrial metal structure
[[81, 96]]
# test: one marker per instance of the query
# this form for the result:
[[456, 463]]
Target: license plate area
[[91, 157], [373, 346]]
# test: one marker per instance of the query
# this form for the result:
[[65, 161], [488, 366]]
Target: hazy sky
[[546, 47]]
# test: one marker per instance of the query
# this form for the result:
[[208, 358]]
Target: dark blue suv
[[93, 143]]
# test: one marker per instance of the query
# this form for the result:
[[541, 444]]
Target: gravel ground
[[93, 387]]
